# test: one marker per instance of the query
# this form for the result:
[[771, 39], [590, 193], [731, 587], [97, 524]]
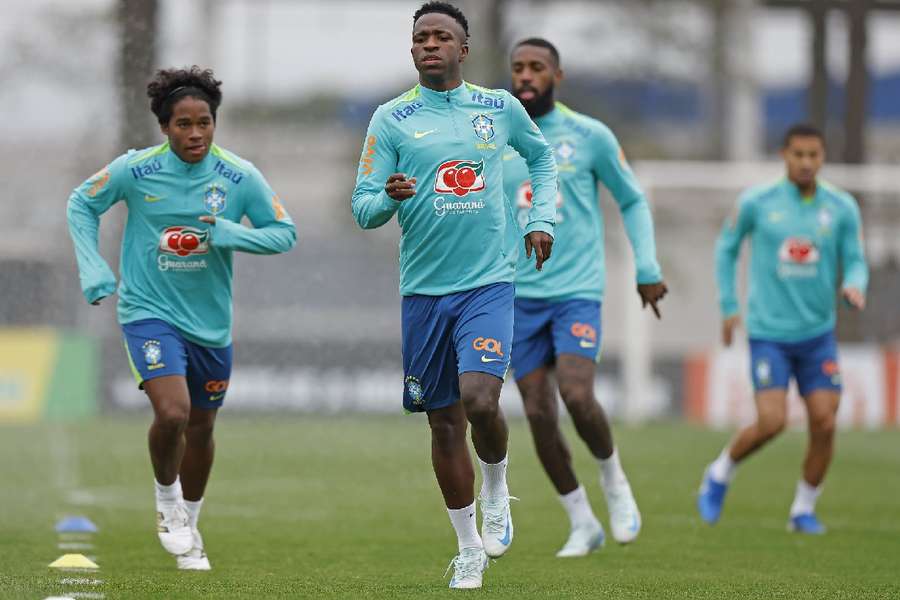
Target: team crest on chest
[[484, 127], [214, 199], [824, 218], [564, 152]]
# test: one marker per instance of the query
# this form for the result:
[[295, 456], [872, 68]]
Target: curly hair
[[444, 8], [170, 85]]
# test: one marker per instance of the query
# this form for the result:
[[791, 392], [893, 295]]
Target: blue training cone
[[76, 525]]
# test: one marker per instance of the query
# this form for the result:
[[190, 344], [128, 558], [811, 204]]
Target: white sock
[[466, 526], [168, 494], [722, 469], [578, 508], [193, 510], [493, 483], [805, 499], [611, 472]]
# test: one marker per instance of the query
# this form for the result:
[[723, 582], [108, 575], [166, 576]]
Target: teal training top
[[173, 266], [587, 153], [796, 246], [457, 231]]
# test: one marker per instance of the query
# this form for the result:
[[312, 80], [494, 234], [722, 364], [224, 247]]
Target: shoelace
[[465, 568], [175, 518], [493, 514]]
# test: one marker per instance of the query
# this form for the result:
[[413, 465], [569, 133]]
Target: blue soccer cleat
[[806, 523], [710, 498]]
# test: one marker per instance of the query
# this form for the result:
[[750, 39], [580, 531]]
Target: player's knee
[[172, 416], [446, 433], [481, 406], [199, 434], [823, 423], [540, 414], [578, 398], [770, 425]]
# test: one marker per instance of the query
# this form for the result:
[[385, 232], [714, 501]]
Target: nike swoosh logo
[[149, 198], [421, 134], [634, 524], [486, 359], [506, 538], [586, 344]]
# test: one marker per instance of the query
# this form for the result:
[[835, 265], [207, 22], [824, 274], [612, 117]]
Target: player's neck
[[807, 190], [442, 84], [541, 106]]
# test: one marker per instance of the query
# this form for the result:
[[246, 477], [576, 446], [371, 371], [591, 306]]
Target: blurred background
[[699, 93]]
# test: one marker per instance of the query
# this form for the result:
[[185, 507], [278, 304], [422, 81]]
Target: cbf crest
[[152, 352], [214, 200], [414, 389], [484, 127], [564, 152]]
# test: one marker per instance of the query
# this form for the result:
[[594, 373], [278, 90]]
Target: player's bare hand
[[542, 244], [652, 293], [399, 187], [208, 219], [854, 298], [728, 327]]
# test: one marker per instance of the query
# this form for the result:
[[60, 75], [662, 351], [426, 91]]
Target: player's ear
[[463, 52], [164, 127], [558, 76]]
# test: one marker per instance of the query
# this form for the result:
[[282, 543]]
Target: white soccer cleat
[[496, 525], [468, 569], [624, 516], [583, 540], [173, 528], [195, 559]]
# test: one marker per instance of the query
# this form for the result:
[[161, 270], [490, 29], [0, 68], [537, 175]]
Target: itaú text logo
[[488, 345]]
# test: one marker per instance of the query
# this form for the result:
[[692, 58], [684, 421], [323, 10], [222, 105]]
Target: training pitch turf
[[319, 507]]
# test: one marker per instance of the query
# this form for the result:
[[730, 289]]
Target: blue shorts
[[445, 336], [544, 330], [813, 363], [155, 349]]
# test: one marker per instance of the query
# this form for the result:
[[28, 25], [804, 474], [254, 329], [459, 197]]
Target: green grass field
[[318, 507]]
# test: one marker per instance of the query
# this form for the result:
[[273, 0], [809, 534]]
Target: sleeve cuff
[[729, 309], [543, 226], [648, 275], [224, 232]]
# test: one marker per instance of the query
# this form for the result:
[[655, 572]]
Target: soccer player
[[185, 201], [800, 229], [557, 315], [433, 157]]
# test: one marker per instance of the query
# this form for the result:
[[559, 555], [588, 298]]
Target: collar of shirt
[[794, 192], [435, 98], [191, 169], [554, 116]]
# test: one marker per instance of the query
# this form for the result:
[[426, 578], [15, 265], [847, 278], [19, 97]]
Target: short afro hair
[[444, 8], [540, 43], [170, 85], [802, 130]]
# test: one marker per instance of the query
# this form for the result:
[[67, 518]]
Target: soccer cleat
[[468, 569], [496, 525], [806, 523], [173, 528], [624, 516], [195, 559], [710, 498], [583, 540]]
